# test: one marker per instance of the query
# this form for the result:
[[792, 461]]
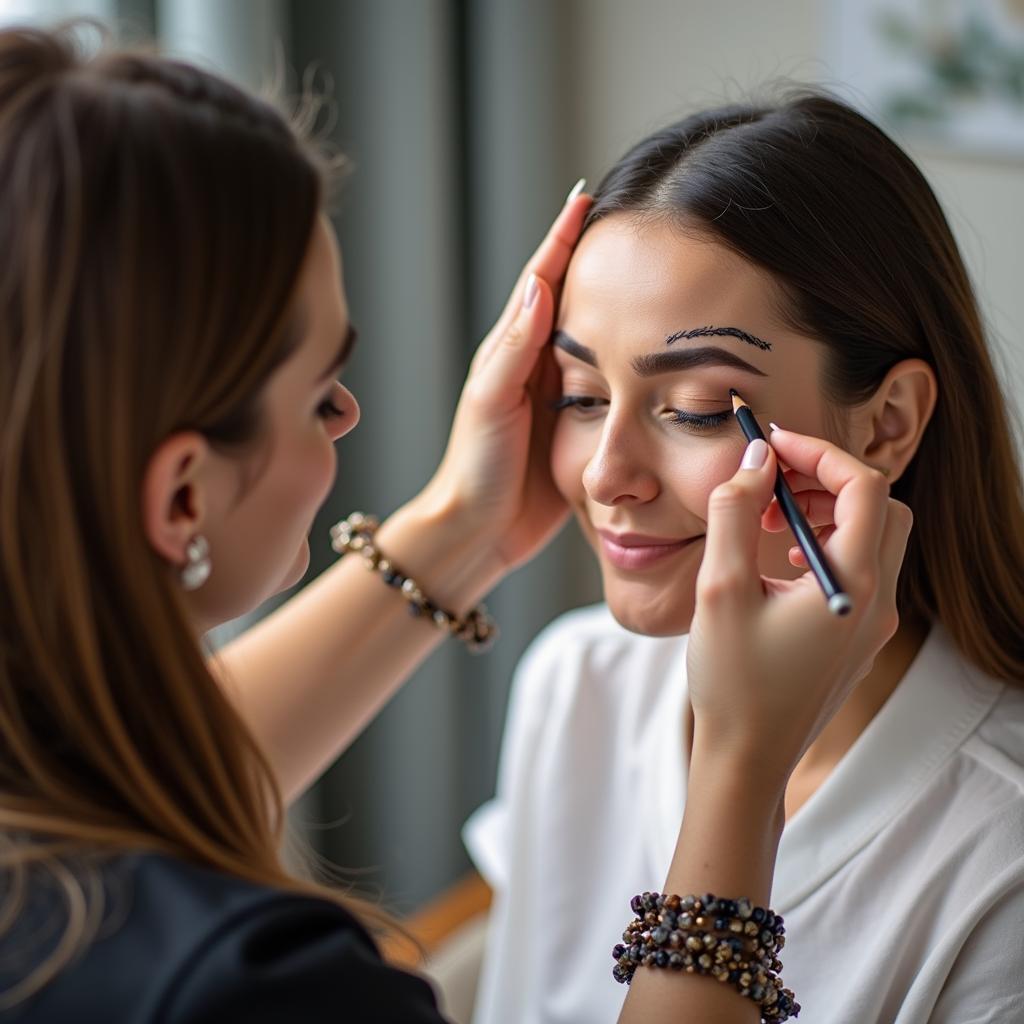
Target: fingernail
[[576, 190], [774, 426], [530, 294], [754, 456]]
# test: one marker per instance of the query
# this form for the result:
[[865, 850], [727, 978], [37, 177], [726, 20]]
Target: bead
[[660, 935], [617, 951], [705, 961], [693, 943], [736, 925], [661, 958], [636, 903], [758, 914], [743, 908], [685, 921], [673, 903], [675, 939], [675, 961], [750, 928], [721, 924]]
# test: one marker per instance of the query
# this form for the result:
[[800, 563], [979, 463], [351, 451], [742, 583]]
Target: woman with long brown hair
[[172, 324], [795, 253]]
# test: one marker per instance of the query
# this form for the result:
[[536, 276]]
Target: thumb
[[503, 373], [734, 527]]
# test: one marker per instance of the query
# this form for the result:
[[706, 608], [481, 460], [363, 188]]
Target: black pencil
[[839, 602]]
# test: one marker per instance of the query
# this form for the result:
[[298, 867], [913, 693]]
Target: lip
[[640, 551]]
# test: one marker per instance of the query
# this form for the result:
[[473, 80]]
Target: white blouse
[[901, 879]]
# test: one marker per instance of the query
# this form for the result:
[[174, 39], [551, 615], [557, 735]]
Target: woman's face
[[647, 430], [259, 542]]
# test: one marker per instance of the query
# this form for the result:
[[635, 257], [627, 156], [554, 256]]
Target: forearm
[[727, 846], [312, 675]]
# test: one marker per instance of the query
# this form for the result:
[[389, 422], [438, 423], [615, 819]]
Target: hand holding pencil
[[767, 663]]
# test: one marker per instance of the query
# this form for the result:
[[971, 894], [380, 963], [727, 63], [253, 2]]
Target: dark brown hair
[[153, 223], [820, 197]]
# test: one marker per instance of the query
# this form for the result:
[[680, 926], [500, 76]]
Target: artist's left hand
[[494, 479]]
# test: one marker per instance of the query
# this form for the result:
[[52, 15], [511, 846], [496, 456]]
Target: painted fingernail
[[774, 426], [530, 294], [756, 453], [576, 190]]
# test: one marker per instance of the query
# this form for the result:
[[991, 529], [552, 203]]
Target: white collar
[[937, 705]]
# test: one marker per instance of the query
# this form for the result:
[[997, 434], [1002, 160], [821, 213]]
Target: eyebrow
[[344, 353], [657, 363]]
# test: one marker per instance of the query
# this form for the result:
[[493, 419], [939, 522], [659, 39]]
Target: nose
[[346, 402], [617, 473]]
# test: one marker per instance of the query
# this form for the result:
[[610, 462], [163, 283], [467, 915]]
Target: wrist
[[435, 543]]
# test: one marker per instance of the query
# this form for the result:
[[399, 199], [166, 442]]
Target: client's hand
[[495, 475], [767, 664]]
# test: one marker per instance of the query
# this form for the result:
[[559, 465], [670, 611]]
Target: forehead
[[648, 278]]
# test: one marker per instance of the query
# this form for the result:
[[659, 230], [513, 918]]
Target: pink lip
[[638, 551]]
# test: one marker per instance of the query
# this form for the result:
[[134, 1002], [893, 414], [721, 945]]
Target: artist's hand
[[767, 664], [495, 477]]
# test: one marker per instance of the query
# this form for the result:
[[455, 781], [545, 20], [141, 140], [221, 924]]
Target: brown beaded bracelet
[[476, 629], [730, 940]]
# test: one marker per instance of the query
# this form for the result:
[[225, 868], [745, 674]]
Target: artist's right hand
[[767, 664]]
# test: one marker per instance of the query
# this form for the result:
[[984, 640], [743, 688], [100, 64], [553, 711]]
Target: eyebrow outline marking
[[655, 363], [709, 331]]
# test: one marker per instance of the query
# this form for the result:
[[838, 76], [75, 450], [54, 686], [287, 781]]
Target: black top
[[182, 944]]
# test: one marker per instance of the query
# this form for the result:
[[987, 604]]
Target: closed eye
[[581, 402], [699, 421]]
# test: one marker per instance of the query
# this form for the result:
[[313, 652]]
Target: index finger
[[551, 257]]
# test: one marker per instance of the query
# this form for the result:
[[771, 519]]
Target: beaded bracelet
[[476, 629], [730, 940]]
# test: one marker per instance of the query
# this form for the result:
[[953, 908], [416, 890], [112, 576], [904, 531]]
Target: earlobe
[[173, 501], [899, 412]]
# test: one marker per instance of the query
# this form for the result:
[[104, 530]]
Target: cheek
[[699, 467], [572, 447]]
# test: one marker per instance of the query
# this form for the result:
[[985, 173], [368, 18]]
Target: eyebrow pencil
[[839, 602]]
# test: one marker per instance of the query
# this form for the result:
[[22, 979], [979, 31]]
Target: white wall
[[638, 64]]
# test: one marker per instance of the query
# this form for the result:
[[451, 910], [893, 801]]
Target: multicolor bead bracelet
[[476, 629], [730, 940]]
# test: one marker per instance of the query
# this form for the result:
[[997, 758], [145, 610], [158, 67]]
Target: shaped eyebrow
[[689, 358], [655, 363]]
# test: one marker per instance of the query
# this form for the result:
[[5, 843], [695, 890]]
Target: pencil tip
[[737, 402]]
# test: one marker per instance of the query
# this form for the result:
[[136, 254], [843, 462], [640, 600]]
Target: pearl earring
[[196, 570]]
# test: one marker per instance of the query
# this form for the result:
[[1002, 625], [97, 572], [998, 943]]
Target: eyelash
[[690, 420]]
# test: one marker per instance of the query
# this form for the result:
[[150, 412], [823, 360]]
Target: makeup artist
[[171, 307]]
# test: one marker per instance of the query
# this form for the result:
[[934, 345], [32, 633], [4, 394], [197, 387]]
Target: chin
[[298, 567], [650, 612]]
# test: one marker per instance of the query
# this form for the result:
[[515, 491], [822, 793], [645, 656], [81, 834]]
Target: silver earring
[[197, 569]]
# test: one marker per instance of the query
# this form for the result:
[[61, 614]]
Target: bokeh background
[[466, 122]]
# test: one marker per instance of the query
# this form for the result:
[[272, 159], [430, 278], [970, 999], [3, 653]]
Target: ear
[[893, 420], [173, 500]]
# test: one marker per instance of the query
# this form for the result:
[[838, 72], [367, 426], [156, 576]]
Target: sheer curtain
[[455, 120]]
